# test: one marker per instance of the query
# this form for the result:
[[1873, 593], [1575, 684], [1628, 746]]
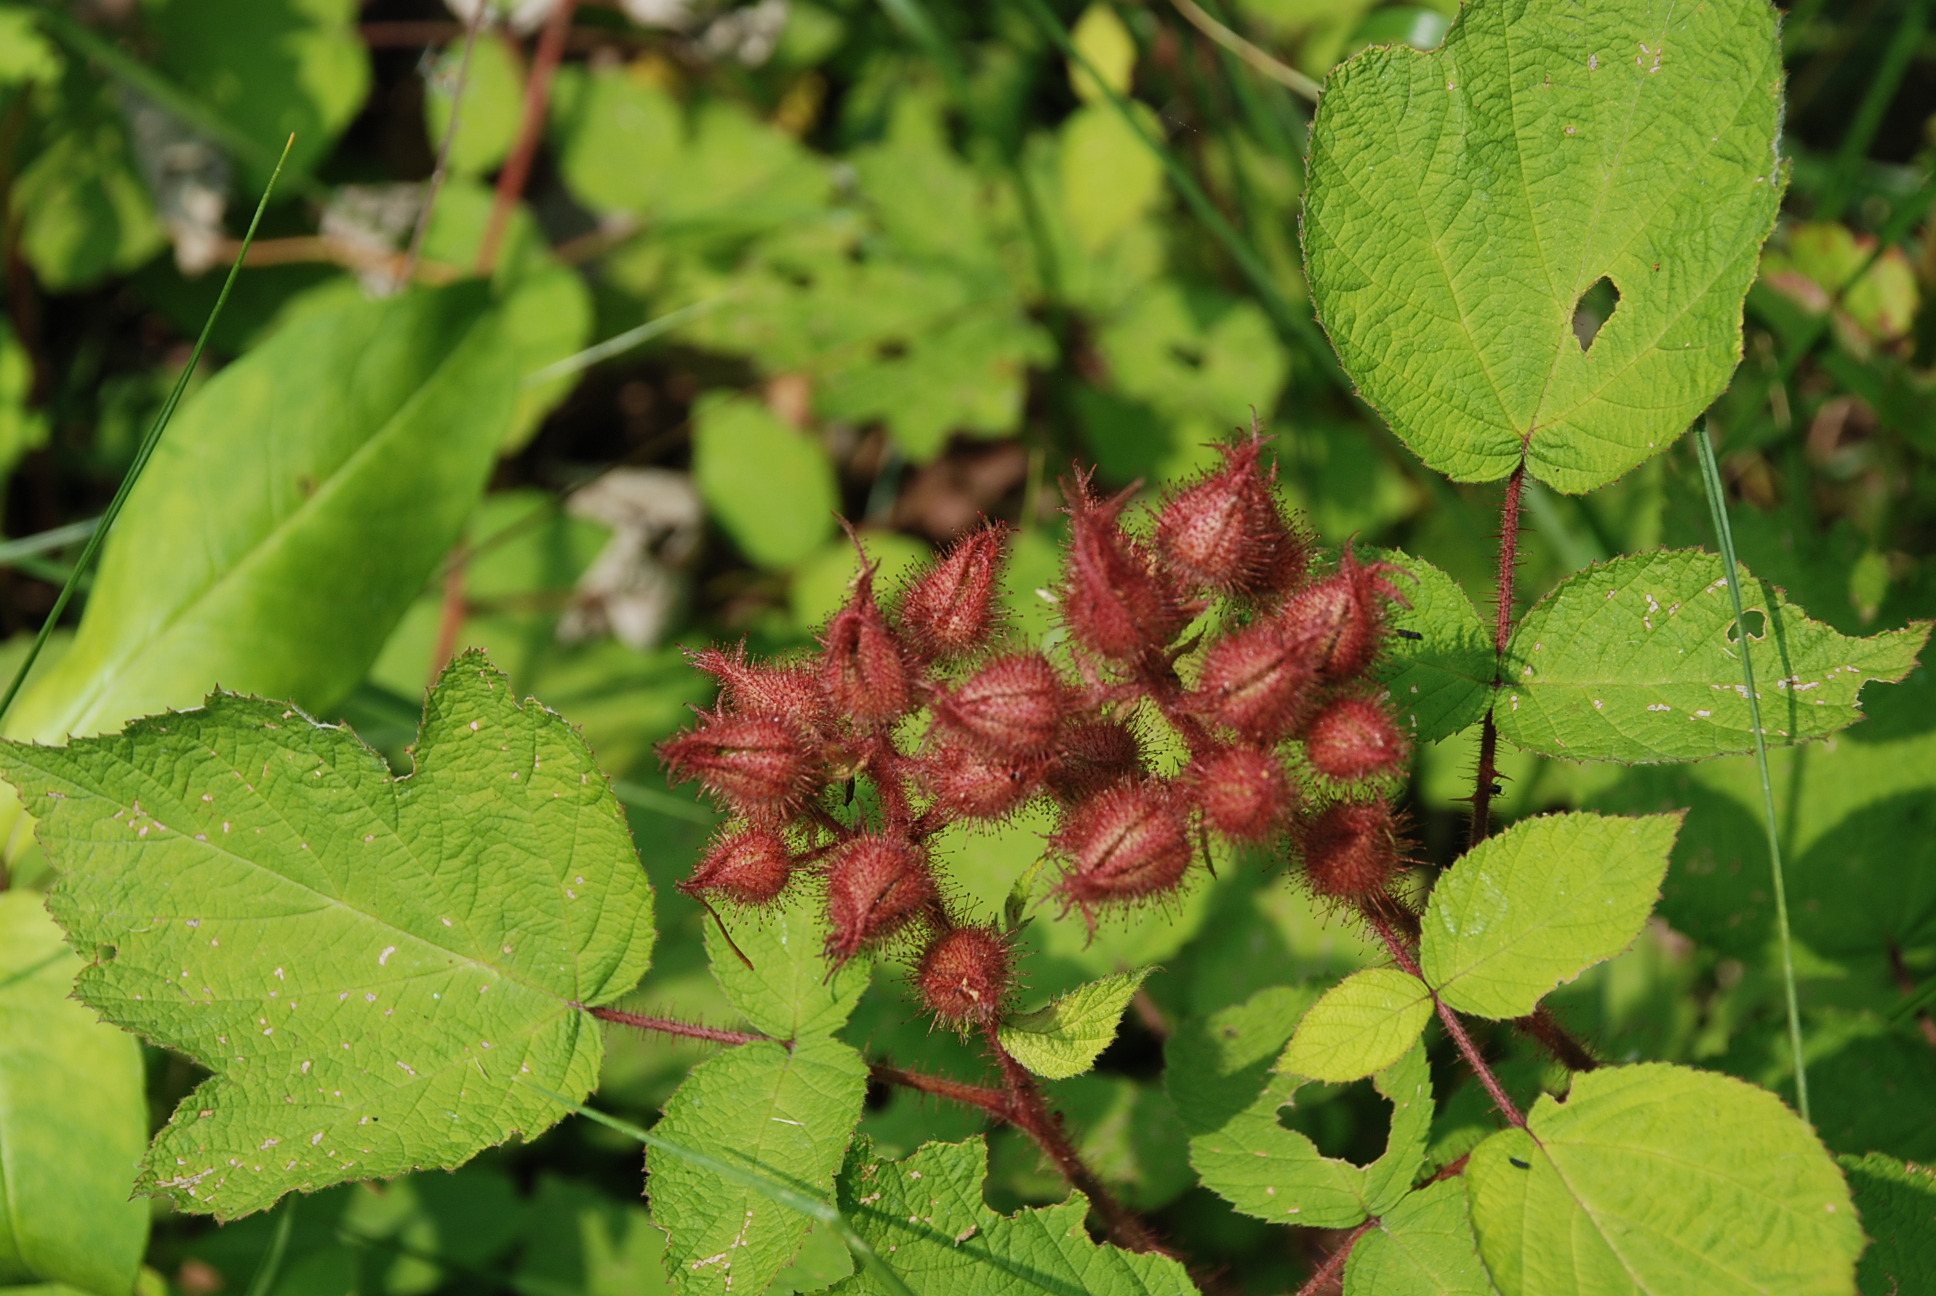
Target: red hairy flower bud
[[751, 867], [1115, 602], [1353, 738], [1243, 793], [968, 784], [875, 886], [1131, 841], [1256, 681], [1343, 616], [751, 689], [865, 675], [964, 976], [1094, 756], [1226, 532], [763, 767], [1010, 707], [1351, 850], [950, 609]]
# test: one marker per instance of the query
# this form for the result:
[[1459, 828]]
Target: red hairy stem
[[1485, 780], [1453, 1026], [1450, 1170], [1030, 1113], [1333, 1263], [1544, 1029], [685, 1030], [517, 167], [993, 1101]]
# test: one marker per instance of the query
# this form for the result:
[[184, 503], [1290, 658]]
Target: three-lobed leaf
[[1363, 1024], [1538, 904], [926, 1218], [73, 1119], [1463, 201], [1638, 659], [1064, 1037], [1666, 1181], [367, 963]]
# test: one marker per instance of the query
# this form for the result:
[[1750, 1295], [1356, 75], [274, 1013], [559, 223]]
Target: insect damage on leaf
[[367, 963]]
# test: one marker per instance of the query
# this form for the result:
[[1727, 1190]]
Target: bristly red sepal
[[751, 867], [1257, 681], [1351, 850], [1226, 534], [1130, 842], [1092, 757], [1117, 604], [763, 768], [1353, 738], [1244, 793], [865, 672], [951, 608], [876, 886], [750, 688], [1011, 707], [965, 976], [1343, 616], [970, 784]]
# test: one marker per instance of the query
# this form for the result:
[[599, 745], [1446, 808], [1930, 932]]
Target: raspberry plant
[[386, 971]]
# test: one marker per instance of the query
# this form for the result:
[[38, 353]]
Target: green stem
[[1875, 101], [271, 1266], [1718, 507], [823, 1213], [147, 449]]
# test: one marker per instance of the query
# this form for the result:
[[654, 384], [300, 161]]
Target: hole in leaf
[[1757, 626], [1593, 310], [1348, 1122], [106, 953]]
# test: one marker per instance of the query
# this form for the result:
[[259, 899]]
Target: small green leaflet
[[1898, 1206], [926, 1218], [1666, 1181], [73, 1119], [1462, 201], [769, 485], [1440, 681], [1423, 1246], [1065, 1037], [1363, 1024], [785, 1111], [1635, 660], [788, 992], [364, 961], [1540, 903], [1216, 1067]]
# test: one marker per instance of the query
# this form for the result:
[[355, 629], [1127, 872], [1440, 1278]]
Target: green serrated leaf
[[1666, 1181], [1898, 1206], [1215, 1069], [1462, 201], [1064, 1037], [1363, 1024], [1440, 681], [926, 1218], [73, 1119], [1540, 903], [365, 962], [1635, 660], [1423, 1246], [787, 993], [787, 1111]]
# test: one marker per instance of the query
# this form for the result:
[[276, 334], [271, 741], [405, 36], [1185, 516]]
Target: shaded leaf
[[366, 962], [1440, 681], [1462, 201], [1662, 1180], [1538, 904], [1064, 1037], [788, 993], [73, 1119], [1423, 1246], [1898, 1205], [1636, 660], [787, 1111]]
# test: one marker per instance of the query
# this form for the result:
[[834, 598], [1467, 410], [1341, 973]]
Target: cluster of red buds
[[1208, 622]]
